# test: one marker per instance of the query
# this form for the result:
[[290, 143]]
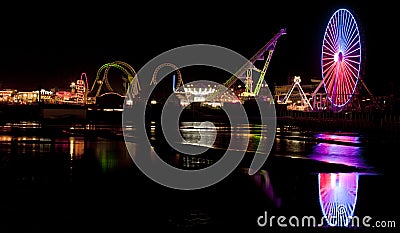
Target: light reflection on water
[[264, 183], [109, 154], [111, 157], [350, 154], [338, 197], [23, 125], [329, 147], [339, 137], [338, 191], [291, 147], [218, 136], [342, 154], [331, 190]]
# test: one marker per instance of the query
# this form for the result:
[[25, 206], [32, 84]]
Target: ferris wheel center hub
[[340, 56]]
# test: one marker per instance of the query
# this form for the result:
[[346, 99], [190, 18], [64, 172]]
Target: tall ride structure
[[246, 71]]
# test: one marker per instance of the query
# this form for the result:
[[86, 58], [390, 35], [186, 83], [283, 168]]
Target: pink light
[[338, 197], [341, 57], [64, 94], [338, 137], [87, 84], [332, 152]]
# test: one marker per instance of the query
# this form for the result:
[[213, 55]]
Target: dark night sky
[[52, 45]]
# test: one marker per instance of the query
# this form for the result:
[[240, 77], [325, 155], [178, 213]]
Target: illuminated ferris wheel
[[341, 58]]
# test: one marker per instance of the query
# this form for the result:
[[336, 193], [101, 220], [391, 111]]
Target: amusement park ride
[[341, 61], [126, 69], [248, 68], [341, 64]]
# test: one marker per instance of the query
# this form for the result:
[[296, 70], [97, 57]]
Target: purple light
[[341, 57], [338, 137], [331, 152], [338, 197]]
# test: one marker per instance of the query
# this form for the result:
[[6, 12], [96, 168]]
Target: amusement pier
[[340, 99], [98, 155]]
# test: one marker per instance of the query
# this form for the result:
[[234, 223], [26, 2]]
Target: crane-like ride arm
[[270, 46]]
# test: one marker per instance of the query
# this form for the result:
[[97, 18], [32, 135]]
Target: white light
[[336, 57], [153, 102]]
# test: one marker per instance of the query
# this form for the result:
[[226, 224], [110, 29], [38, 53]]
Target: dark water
[[75, 178]]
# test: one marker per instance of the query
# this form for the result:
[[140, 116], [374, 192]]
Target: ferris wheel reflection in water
[[338, 191]]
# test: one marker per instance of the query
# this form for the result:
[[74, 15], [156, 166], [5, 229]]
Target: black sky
[[50, 47]]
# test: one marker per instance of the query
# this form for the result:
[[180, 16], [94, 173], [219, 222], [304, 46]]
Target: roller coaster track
[[179, 81], [125, 68]]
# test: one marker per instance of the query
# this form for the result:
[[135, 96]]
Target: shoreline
[[385, 124]]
